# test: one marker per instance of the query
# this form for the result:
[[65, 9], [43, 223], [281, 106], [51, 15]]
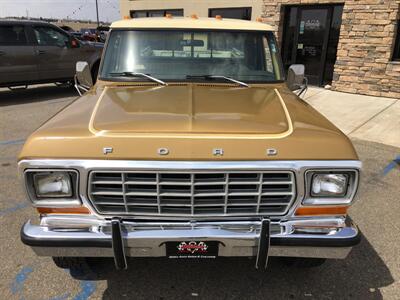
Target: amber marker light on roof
[[321, 210], [64, 210], [194, 16], [218, 17]]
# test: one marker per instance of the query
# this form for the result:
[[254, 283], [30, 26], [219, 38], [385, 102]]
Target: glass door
[[311, 42], [311, 34]]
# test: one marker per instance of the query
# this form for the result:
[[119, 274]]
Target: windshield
[[183, 55]]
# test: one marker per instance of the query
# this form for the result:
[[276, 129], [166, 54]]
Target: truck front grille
[[185, 194]]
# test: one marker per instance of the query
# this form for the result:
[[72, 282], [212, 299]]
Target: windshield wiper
[[207, 77], [135, 74]]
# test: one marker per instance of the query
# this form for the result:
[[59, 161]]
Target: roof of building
[[192, 23]]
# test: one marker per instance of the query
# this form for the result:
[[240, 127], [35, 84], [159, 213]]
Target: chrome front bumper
[[88, 237]]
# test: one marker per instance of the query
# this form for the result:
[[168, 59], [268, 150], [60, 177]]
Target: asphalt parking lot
[[372, 271]]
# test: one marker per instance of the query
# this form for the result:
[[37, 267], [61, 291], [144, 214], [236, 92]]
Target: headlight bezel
[[52, 201], [346, 199]]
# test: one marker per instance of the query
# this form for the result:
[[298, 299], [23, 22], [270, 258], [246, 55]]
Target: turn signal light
[[127, 17], [63, 210], [194, 16], [259, 19], [321, 211], [168, 16], [218, 17]]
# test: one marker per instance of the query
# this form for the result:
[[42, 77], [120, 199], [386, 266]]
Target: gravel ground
[[372, 271]]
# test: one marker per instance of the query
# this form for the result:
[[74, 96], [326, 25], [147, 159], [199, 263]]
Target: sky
[[73, 9]]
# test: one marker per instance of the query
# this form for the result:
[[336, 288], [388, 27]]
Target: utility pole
[[97, 14]]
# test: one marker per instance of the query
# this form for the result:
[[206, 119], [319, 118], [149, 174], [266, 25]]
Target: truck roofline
[[191, 23]]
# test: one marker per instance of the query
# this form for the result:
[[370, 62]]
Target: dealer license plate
[[192, 249]]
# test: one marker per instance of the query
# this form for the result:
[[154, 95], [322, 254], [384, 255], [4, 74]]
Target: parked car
[[103, 32], [90, 35], [190, 145], [89, 31], [77, 35], [38, 52], [67, 28]]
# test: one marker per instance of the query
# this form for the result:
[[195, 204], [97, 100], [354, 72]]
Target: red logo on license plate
[[192, 247]]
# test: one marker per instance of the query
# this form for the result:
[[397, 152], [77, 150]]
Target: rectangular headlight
[[329, 185], [336, 187], [52, 187], [52, 184]]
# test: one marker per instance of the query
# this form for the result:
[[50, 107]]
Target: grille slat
[[109, 203], [186, 194], [276, 182], [108, 193], [106, 182], [130, 182]]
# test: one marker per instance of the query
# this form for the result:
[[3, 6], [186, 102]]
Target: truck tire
[[85, 268], [71, 262], [299, 262]]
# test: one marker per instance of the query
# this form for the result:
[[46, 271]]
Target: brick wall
[[365, 47]]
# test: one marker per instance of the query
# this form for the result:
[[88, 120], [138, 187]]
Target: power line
[[112, 5], [76, 10]]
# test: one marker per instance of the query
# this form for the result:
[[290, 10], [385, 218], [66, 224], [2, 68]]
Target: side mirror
[[296, 79], [83, 77]]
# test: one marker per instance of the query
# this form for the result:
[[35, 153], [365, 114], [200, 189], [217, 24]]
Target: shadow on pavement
[[359, 276], [35, 94]]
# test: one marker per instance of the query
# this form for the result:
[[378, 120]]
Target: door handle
[[39, 52]]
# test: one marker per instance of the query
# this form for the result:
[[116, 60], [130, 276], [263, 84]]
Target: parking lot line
[[19, 281], [13, 208], [12, 142]]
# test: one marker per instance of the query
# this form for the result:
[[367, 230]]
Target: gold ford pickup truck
[[191, 144]]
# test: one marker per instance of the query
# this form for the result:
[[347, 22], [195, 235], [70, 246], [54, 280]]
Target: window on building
[[243, 13], [396, 52], [12, 35], [156, 13]]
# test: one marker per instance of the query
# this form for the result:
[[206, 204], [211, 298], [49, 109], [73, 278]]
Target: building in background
[[239, 9], [354, 45]]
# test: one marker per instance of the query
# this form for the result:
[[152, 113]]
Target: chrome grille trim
[[192, 193], [85, 166]]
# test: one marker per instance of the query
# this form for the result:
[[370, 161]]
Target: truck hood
[[190, 120], [198, 109]]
